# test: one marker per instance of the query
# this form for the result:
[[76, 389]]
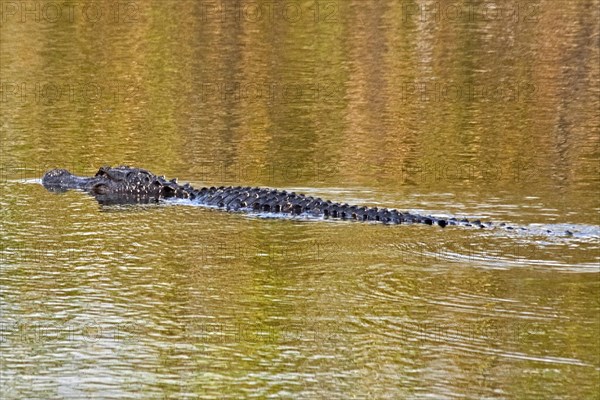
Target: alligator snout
[[57, 178]]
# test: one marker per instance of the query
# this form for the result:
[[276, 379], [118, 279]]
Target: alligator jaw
[[61, 180]]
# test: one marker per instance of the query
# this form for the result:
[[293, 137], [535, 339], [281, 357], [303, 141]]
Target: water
[[490, 114]]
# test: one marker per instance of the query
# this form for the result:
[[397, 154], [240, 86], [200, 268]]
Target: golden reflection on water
[[491, 114]]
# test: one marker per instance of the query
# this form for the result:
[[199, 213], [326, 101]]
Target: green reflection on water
[[369, 104]]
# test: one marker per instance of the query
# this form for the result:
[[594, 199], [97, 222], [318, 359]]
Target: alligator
[[127, 185]]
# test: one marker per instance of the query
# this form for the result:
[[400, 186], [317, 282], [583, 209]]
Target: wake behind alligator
[[128, 185]]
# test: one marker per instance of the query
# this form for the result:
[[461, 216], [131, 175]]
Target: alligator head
[[61, 180], [118, 185]]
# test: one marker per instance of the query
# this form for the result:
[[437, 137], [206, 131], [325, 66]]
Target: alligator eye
[[100, 188], [168, 191]]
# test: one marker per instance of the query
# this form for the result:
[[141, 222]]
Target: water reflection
[[489, 114]]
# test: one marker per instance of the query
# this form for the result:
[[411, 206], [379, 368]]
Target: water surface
[[481, 110]]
